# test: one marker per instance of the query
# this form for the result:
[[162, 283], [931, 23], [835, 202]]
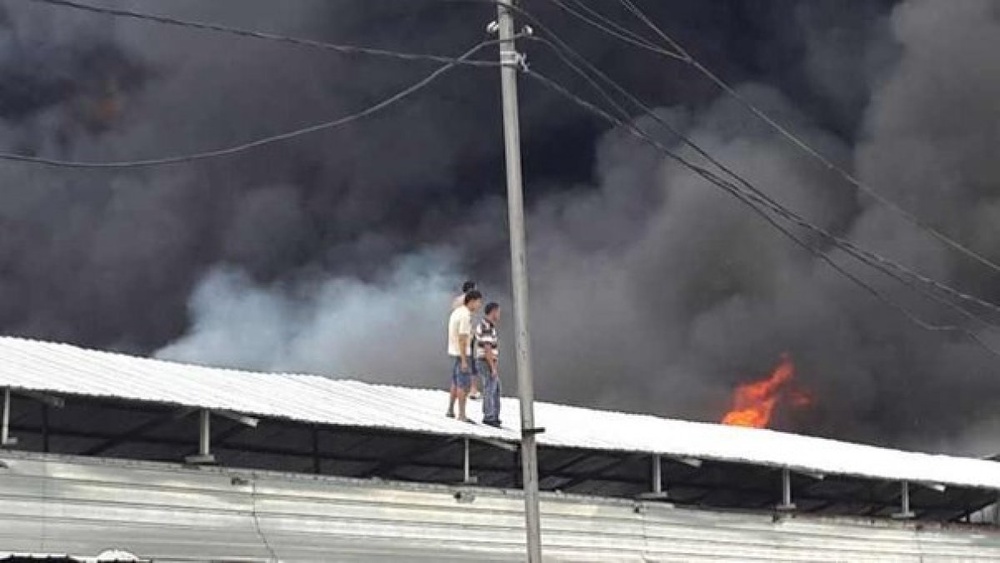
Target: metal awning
[[68, 400]]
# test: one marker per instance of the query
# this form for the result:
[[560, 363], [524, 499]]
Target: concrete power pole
[[511, 62]]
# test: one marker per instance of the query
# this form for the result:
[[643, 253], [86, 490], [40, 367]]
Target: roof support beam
[[468, 477], [219, 438], [786, 504], [205, 437], [585, 468], [506, 446], [237, 417], [656, 475], [688, 461], [936, 487], [810, 474], [6, 440], [905, 513], [270, 450], [204, 455]]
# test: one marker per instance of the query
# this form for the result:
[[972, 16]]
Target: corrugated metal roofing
[[168, 513], [64, 369]]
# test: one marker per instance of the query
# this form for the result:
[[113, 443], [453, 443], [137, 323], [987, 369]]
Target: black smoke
[[338, 253]]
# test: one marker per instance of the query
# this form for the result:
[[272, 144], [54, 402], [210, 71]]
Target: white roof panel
[[162, 512], [61, 368]]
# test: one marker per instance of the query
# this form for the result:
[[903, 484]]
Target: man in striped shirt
[[487, 350]]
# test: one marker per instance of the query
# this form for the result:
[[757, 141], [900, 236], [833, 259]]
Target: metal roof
[[29, 365], [164, 512]]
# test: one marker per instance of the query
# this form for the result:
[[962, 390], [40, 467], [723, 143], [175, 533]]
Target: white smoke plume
[[343, 327]]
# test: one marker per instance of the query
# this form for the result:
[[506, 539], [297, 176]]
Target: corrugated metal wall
[[170, 513]]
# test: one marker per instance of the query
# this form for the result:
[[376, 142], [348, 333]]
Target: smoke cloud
[[650, 290], [377, 331]]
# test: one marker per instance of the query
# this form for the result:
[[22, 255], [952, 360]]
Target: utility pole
[[511, 62]]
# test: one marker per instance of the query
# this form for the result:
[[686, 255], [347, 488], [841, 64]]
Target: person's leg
[[452, 389], [497, 392], [482, 376], [474, 382], [461, 388], [463, 394], [484, 369], [493, 391]]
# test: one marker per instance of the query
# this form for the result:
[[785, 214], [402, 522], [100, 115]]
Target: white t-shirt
[[458, 302], [459, 323]]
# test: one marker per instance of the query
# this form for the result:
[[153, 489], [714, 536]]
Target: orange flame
[[753, 403]]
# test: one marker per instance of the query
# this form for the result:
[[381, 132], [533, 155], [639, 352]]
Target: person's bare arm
[[491, 359]]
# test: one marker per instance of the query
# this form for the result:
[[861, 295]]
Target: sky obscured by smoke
[[651, 290]]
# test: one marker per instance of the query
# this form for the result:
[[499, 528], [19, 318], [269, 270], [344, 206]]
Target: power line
[[344, 49], [563, 46], [605, 20], [870, 260], [645, 19], [622, 33], [802, 145], [605, 24], [678, 52], [608, 27], [759, 202], [753, 204], [370, 110], [755, 195], [649, 112], [559, 49]]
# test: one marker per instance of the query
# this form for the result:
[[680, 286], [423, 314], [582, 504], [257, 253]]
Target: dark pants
[[491, 392]]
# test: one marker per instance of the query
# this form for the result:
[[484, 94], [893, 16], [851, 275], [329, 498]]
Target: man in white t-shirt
[[460, 352], [455, 304]]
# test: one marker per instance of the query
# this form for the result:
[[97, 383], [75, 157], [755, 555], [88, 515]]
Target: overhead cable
[[678, 52], [760, 203], [610, 27], [339, 48], [228, 151], [564, 51]]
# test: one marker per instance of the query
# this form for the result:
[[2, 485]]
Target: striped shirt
[[486, 337]]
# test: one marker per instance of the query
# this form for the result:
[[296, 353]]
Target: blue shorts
[[461, 380]]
